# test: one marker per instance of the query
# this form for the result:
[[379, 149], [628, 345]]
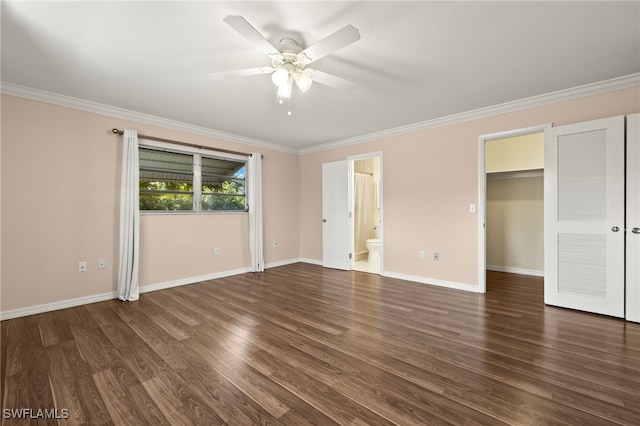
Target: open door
[[584, 216], [335, 215]]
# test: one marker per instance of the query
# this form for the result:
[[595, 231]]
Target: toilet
[[374, 245]]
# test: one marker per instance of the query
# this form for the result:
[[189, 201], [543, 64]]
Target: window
[[174, 181], [166, 180], [222, 185]]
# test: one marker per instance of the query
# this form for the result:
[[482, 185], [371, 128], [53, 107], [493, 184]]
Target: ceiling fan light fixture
[[284, 91], [303, 79], [280, 77], [289, 60]]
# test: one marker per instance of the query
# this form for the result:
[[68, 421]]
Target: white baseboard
[[432, 281], [311, 261], [70, 303], [192, 280], [281, 263], [519, 271], [54, 306]]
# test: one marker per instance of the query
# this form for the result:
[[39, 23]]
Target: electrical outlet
[[216, 251], [102, 264], [82, 267], [436, 256], [422, 254]]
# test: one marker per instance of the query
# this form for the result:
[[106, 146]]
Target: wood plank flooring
[[301, 345]]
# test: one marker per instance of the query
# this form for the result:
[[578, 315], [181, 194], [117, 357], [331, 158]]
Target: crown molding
[[111, 111], [611, 85]]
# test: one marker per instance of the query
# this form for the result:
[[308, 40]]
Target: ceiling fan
[[289, 61]]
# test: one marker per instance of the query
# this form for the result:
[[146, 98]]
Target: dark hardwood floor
[[300, 345]]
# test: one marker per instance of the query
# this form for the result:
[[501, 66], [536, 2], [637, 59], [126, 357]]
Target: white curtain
[[128, 286], [363, 210], [255, 212]]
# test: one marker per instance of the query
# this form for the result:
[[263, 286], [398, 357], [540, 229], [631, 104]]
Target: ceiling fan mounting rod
[[289, 45]]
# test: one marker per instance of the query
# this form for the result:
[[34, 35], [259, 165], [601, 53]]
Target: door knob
[[615, 228], [636, 230]]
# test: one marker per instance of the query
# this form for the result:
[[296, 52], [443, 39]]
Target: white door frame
[[632, 312], [351, 159], [482, 194]]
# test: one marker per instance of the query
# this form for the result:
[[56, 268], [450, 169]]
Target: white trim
[[515, 132], [515, 174], [54, 306], [519, 271], [618, 83], [482, 194], [605, 86], [70, 303], [351, 196], [192, 280], [632, 312], [311, 261], [380, 191], [365, 156], [433, 281], [281, 263], [76, 103]]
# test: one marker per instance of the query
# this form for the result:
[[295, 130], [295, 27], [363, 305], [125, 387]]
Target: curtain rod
[[121, 132]]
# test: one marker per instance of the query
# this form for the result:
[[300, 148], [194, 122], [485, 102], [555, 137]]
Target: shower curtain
[[363, 210]]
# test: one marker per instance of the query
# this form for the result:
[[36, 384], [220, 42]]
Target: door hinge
[[350, 255]]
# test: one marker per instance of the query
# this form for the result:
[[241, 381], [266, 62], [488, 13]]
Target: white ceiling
[[416, 61]]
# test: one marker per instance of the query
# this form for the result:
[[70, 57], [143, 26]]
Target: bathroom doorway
[[366, 208]]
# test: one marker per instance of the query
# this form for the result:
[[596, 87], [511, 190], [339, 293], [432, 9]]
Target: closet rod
[[121, 132]]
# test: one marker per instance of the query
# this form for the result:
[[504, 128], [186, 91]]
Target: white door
[[335, 215], [633, 218], [584, 216]]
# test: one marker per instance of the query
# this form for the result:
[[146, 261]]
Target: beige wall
[[60, 205], [517, 153], [430, 178], [60, 173], [515, 222]]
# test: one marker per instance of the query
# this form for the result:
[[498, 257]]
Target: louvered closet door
[[584, 216], [633, 218]]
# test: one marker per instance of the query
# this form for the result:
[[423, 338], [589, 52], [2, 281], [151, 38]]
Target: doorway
[[366, 213], [503, 180]]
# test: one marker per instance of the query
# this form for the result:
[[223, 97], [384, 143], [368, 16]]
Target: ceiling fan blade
[[329, 44], [241, 25], [240, 73], [333, 81]]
